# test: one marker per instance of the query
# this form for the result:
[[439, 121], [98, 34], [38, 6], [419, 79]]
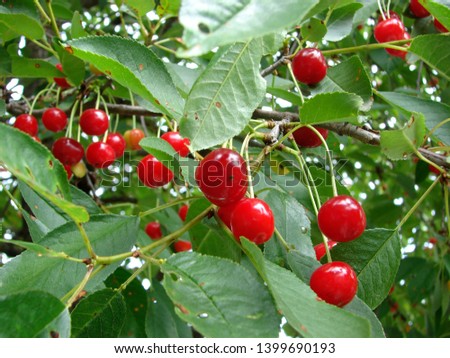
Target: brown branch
[[363, 135]]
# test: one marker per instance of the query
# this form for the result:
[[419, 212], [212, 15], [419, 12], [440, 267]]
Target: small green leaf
[[375, 257], [400, 143], [24, 12], [162, 151], [27, 67], [108, 234], [358, 307], [140, 7], [100, 315], [299, 304], [219, 297], [5, 63], [224, 96], [207, 25], [314, 30], [77, 30], [161, 319], [134, 66], [292, 224], [37, 167], [135, 298], [348, 76], [33, 314], [340, 24], [272, 43], [429, 49], [434, 112], [331, 107]]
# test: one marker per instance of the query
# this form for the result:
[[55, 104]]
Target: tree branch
[[363, 135]]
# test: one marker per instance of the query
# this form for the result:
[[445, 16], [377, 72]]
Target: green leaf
[[100, 315], [400, 143], [37, 167], [108, 234], [13, 13], [219, 297], [314, 30], [331, 107], [33, 314], [286, 95], [303, 266], [80, 198], [73, 67], [207, 25], [134, 66], [77, 30], [161, 319], [208, 237], [141, 7], [439, 11], [429, 49], [358, 307], [224, 96], [272, 43], [340, 24], [434, 112], [183, 77], [292, 224], [375, 257], [135, 298], [299, 304], [162, 151], [27, 67], [2, 107], [348, 76], [5, 63]]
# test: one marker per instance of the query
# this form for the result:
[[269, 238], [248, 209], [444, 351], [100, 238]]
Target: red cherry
[[389, 30], [68, 150], [100, 154], [433, 169], [341, 218], [335, 283], [225, 213], [309, 66], [94, 121], [253, 219], [177, 142], [68, 169], [439, 27], [305, 137], [133, 137], [399, 53], [320, 249], [182, 245], [61, 81], [153, 229], [27, 123], [222, 176], [153, 173], [182, 212], [117, 142], [417, 9], [54, 119], [432, 240]]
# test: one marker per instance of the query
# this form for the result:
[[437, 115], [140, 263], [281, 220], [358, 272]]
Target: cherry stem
[[330, 159], [53, 20], [417, 204], [85, 238], [79, 127], [392, 44], [135, 274], [167, 205], [247, 163], [42, 11], [39, 94], [97, 101], [132, 104], [81, 285], [382, 10], [289, 66], [72, 115], [282, 240]]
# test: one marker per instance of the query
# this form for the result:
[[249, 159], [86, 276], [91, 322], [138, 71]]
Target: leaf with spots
[[37, 167], [220, 298], [375, 257], [100, 315], [225, 95], [134, 66]]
